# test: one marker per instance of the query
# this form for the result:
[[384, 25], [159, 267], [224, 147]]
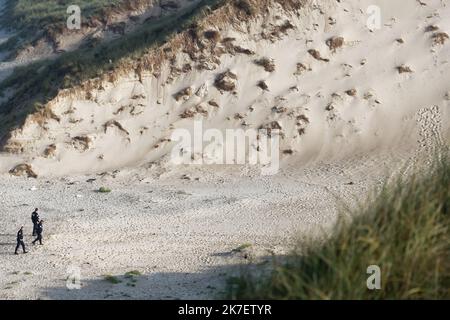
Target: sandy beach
[[179, 234]]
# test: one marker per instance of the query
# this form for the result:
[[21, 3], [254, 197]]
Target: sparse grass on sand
[[130, 276], [403, 228], [104, 190], [133, 273], [242, 247], [112, 279]]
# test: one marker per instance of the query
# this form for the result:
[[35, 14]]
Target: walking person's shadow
[[7, 246], [7, 243]]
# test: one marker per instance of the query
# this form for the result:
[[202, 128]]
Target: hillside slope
[[312, 68]]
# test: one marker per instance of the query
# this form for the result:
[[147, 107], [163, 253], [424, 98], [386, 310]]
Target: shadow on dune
[[7, 244], [206, 284]]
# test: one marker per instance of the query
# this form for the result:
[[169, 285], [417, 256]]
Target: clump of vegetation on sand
[[132, 273], [104, 190], [242, 247], [112, 279]]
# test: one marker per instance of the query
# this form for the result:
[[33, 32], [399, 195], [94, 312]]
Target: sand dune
[[353, 105], [356, 100]]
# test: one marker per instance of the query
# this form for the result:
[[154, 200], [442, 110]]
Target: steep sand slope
[[366, 94]]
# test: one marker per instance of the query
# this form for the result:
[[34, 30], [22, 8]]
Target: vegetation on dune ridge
[[404, 229], [38, 83], [27, 14], [34, 19]]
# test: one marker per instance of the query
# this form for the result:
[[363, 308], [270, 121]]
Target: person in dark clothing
[[20, 241], [39, 230], [35, 220]]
